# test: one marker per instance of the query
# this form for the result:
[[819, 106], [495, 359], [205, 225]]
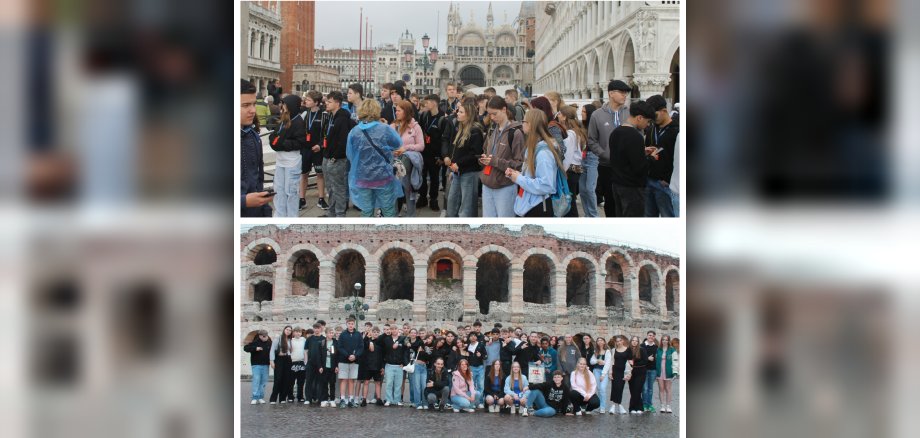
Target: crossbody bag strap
[[375, 146]]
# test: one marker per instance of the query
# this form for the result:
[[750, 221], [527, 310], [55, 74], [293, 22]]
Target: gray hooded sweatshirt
[[603, 122]]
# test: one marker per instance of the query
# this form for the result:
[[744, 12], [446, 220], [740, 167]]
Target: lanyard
[[432, 123], [658, 133], [615, 114], [329, 128], [312, 117], [497, 137]]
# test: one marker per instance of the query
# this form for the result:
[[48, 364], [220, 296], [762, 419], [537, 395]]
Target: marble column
[[470, 305], [516, 290], [559, 295], [372, 288], [420, 301], [326, 288]]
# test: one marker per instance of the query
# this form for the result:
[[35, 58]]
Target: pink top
[[412, 138], [578, 383], [461, 386]]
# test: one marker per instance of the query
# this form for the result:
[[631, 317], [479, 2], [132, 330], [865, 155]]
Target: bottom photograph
[[428, 327]]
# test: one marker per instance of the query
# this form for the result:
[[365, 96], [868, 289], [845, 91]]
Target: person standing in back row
[[630, 160], [662, 134], [603, 122], [335, 163]]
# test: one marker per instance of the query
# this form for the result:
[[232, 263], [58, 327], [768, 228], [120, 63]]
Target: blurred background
[[802, 218], [116, 204]]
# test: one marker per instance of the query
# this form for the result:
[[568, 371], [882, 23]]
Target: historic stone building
[[442, 275], [262, 45], [315, 77], [349, 63], [582, 45], [297, 39], [477, 57]]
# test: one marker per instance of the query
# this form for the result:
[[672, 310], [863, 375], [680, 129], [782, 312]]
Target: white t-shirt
[[572, 151], [297, 349]]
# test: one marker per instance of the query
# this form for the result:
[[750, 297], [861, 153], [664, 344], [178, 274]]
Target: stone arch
[[303, 262], [579, 281], [253, 248], [472, 75], [648, 275], [609, 63], [594, 68], [503, 74], [349, 263], [583, 73], [539, 279], [445, 251], [493, 275], [617, 284], [397, 272], [628, 60], [672, 288]]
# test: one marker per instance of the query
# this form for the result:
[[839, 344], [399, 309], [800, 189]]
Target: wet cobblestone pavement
[[297, 420]]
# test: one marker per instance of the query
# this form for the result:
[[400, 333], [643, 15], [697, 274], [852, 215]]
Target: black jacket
[[373, 360], [507, 352], [387, 112], [439, 384], [556, 397], [258, 357], [335, 133], [411, 349], [315, 130], [628, 162], [476, 361], [252, 169], [666, 137], [526, 353], [323, 353], [393, 352], [433, 130], [291, 139], [649, 350], [466, 155], [314, 344]]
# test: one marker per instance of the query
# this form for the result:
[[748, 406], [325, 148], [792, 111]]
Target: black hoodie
[[466, 154], [336, 134], [258, 357], [556, 397], [293, 138]]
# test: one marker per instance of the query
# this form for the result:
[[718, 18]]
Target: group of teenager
[[514, 157], [502, 370]]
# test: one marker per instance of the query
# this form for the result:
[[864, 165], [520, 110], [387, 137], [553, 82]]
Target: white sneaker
[[419, 408], [480, 406], [261, 401], [387, 403], [622, 409], [578, 412], [470, 410], [602, 411], [399, 404], [306, 403], [272, 403], [456, 411], [253, 402], [523, 412], [372, 401], [513, 410]]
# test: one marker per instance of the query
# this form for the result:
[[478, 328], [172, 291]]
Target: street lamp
[[356, 306], [428, 61]]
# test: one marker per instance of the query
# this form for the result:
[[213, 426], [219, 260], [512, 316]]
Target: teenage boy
[[477, 359], [360, 384], [517, 110], [355, 96], [313, 153], [432, 123], [661, 135], [298, 365], [393, 359], [314, 344], [258, 358], [649, 350], [253, 197], [373, 363], [335, 164], [351, 346], [630, 160], [603, 122], [328, 369]]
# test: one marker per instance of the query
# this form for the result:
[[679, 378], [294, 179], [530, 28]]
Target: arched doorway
[[349, 269], [472, 75], [492, 274], [672, 288], [397, 275], [265, 255], [304, 273], [672, 91], [614, 285], [262, 291], [649, 282], [579, 282], [539, 273], [445, 285]]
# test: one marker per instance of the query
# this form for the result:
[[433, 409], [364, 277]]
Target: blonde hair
[[554, 97], [519, 375], [572, 123], [369, 110], [463, 134], [586, 375], [538, 131]]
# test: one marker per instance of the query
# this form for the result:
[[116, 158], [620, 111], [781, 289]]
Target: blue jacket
[[350, 344], [251, 172], [536, 187]]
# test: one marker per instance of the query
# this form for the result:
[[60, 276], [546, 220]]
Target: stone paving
[[297, 420]]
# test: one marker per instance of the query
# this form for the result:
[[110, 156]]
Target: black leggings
[[541, 210], [326, 384], [603, 184], [635, 389], [616, 393], [298, 379], [281, 390], [310, 384], [430, 179], [572, 178], [578, 401]]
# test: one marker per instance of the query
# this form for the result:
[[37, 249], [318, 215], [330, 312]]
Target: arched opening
[[305, 273], [397, 275], [672, 286], [349, 269], [648, 279], [262, 291], [444, 269], [265, 256], [538, 279], [610, 69], [492, 279], [629, 66], [579, 275], [672, 91], [472, 75], [445, 285], [503, 75], [614, 287]]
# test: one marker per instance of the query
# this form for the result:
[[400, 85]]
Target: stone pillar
[[372, 287], [281, 290], [651, 84], [516, 290], [420, 300], [470, 306], [559, 292], [660, 296], [632, 292], [326, 288], [600, 292], [244, 283]]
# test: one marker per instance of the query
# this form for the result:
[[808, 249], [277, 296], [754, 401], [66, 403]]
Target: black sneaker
[[434, 205], [322, 204], [302, 203], [342, 403], [379, 402], [363, 403], [421, 203]]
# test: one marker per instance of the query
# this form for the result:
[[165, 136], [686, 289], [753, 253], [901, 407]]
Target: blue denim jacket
[[536, 187]]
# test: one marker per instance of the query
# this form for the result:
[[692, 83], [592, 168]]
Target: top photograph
[[460, 109]]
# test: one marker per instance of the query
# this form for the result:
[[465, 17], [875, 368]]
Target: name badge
[[308, 136], [520, 192], [487, 170], [427, 139], [324, 143]]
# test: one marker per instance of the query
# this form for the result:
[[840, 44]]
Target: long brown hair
[[472, 112], [572, 123], [497, 372], [537, 121], [284, 341], [408, 112], [468, 376], [636, 351]]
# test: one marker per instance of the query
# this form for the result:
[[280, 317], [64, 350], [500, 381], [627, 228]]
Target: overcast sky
[[337, 21], [657, 234]]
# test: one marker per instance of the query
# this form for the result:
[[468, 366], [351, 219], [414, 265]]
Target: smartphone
[[271, 192]]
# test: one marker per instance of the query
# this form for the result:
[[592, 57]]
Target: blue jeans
[[460, 402], [287, 185], [383, 196], [675, 203], [463, 195], [479, 373], [537, 402], [393, 376], [587, 185], [650, 376], [259, 379], [417, 381], [602, 387], [657, 199], [498, 202]]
